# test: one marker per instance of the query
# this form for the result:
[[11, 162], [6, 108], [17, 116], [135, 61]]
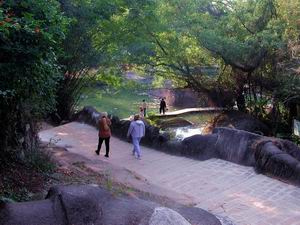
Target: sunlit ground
[[124, 103], [121, 103]]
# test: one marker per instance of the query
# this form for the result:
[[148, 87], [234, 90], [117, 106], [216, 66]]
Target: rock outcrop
[[272, 156], [240, 121], [169, 216], [92, 205]]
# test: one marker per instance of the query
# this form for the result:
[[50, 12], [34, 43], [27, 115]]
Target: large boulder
[[151, 135], [87, 205], [169, 216], [174, 147], [88, 115], [80, 204], [272, 156], [236, 145], [200, 147], [240, 121], [224, 143], [120, 128]]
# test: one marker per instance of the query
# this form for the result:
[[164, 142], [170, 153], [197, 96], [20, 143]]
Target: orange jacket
[[102, 132]]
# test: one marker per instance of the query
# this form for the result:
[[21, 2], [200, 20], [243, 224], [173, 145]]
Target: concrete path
[[218, 186], [191, 110]]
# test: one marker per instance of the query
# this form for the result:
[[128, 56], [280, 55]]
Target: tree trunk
[[240, 101], [292, 113]]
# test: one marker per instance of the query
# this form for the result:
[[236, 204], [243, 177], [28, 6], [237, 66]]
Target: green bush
[[30, 35], [295, 139], [40, 161]]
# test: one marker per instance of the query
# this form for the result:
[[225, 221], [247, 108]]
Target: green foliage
[[258, 107], [121, 102], [180, 40], [21, 179], [81, 56], [39, 161], [11, 196], [296, 139], [111, 77], [49, 50], [30, 35], [29, 72]]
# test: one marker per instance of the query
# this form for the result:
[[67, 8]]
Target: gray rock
[[241, 121], [271, 159], [200, 146], [166, 216], [235, 145], [33, 213], [89, 204], [272, 156], [79, 203], [88, 115]]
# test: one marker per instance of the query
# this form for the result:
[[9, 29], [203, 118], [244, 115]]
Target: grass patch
[[40, 161], [122, 102]]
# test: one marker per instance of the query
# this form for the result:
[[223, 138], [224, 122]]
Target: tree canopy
[[179, 39], [247, 50], [31, 33]]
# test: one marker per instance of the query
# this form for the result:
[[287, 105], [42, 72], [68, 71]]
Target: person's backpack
[[105, 125]]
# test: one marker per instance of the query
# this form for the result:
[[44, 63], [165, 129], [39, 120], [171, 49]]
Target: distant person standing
[[136, 131], [144, 105], [104, 133], [162, 106], [141, 113]]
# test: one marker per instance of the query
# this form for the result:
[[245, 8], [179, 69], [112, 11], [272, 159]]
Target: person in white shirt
[[136, 131]]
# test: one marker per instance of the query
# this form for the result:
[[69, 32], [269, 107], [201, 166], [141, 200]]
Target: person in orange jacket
[[104, 133]]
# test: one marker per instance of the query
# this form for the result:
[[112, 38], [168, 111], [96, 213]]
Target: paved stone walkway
[[218, 186]]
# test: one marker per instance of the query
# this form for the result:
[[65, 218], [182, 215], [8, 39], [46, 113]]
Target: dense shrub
[[30, 35]]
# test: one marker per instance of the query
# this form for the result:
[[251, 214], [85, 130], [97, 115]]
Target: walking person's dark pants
[[162, 109], [106, 145], [144, 112]]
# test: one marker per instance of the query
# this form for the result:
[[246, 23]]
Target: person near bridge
[[162, 106], [144, 105]]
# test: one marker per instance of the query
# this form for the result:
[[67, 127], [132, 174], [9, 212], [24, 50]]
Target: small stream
[[199, 120], [184, 132]]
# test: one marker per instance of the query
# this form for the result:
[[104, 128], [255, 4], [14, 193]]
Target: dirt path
[[221, 187]]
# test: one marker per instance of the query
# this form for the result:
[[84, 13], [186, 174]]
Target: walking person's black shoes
[[106, 156], [97, 152]]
